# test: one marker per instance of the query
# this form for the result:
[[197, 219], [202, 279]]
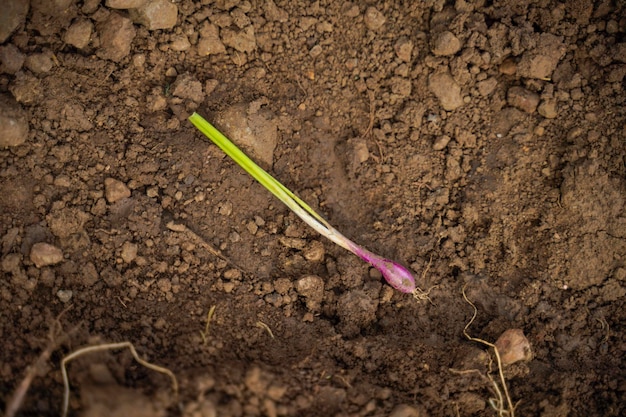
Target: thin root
[[264, 326], [108, 346], [420, 294], [205, 333], [501, 394]]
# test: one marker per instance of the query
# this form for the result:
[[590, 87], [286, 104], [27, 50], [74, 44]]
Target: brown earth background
[[482, 143]]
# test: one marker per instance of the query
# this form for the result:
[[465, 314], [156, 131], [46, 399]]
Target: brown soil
[[482, 143]]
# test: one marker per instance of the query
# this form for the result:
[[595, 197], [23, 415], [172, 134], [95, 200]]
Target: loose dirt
[[481, 143]]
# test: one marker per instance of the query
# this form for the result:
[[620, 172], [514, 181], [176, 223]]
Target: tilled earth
[[481, 143]]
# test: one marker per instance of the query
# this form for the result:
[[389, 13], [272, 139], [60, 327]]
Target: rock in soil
[[446, 89], [44, 254], [13, 123]]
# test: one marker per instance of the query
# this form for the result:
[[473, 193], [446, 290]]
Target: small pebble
[[523, 99], [314, 251], [445, 44], [79, 33], [115, 190], [65, 296], [441, 142], [14, 127], [374, 19], [232, 274], [39, 63], [129, 252], [548, 109], [156, 14], [404, 49], [446, 89], [311, 287], [513, 347], [43, 254]]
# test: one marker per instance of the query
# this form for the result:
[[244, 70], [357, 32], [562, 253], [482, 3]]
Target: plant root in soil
[[108, 346]]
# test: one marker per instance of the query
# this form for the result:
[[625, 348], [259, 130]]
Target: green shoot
[[396, 275]]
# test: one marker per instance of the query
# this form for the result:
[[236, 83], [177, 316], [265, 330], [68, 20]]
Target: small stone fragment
[[314, 251], [44, 254], [404, 49], [548, 109], [210, 42], [513, 347], [275, 13], [486, 87], [441, 142], [26, 88], [180, 43], [14, 127], [79, 33], [156, 14], [39, 63], [523, 99], [115, 190], [11, 59], [232, 274], [187, 86], [116, 35], [445, 43], [311, 287], [129, 252], [65, 296], [240, 40], [374, 19], [508, 67], [541, 61], [446, 89]]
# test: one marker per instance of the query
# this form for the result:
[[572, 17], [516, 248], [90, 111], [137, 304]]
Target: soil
[[481, 143]]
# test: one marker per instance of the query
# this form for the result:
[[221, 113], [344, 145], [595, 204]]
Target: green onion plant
[[395, 274]]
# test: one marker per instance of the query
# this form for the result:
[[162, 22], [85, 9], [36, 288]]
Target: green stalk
[[396, 275]]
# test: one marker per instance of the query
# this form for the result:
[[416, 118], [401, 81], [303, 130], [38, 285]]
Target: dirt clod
[[44, 254]]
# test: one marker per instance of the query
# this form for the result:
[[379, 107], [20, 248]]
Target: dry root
[[109, 346], [502, 402]]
